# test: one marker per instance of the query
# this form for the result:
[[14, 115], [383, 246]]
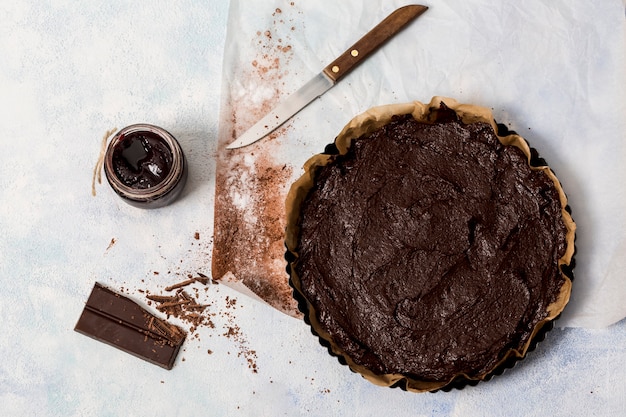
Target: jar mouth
[[159, 188]]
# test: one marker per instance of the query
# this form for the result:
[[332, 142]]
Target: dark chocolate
[[430, 250], [120, 322]]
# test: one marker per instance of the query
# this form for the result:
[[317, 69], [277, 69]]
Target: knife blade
[[330, 75]]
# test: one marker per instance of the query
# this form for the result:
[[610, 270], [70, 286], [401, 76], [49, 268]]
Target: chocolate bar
[[114, 319]]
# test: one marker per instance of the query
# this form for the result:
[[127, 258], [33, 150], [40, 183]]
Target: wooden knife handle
[[372, 40]]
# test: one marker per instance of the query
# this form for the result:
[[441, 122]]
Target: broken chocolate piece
[[114, 319]]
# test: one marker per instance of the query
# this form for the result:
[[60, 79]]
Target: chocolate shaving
[[180, 284], [172, 304], [183, 305], [202, 279], [161, 298]]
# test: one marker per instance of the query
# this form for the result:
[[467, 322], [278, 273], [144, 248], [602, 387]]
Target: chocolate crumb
[[111, 244]]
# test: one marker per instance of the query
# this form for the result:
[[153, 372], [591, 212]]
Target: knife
[[330, 75]]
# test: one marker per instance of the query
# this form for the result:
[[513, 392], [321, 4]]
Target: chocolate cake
[[425, 248]]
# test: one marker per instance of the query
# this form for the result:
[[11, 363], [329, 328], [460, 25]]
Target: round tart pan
[[354, 129]]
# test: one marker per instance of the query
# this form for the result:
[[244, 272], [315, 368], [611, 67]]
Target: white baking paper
[[552, 71]]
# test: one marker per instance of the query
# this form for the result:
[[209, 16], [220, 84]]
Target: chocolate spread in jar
[[141, 160], [430, 249], [145, 165]]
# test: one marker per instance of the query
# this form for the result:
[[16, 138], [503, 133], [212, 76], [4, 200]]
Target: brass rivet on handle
[[335, 69], [354, 53]]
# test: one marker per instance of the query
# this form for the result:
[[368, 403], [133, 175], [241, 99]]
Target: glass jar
[[145, 166]]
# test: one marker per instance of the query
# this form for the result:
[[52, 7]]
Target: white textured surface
[[69, 72]]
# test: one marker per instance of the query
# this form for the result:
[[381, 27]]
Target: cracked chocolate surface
[[430, 250]]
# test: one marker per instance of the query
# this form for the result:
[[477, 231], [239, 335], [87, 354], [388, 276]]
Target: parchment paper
[[552, 71]]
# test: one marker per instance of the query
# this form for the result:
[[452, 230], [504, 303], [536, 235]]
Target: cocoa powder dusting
[[251, 185], [233, 332]]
